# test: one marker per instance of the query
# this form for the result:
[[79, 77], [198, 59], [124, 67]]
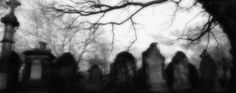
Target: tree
[[221, 12], [101, 56], [63, 33]]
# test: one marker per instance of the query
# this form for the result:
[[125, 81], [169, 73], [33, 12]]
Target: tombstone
[[121, 77], [227, 66], [181, 75], [223, 75], [208, 71], [38, 70], [153, 70], [65, 80], [94, 83]]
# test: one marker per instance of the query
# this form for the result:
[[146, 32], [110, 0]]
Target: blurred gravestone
[[94, 82], [121, 77], [208, 71], [65, 78], [223, 74], [154, 69], [182, 76]]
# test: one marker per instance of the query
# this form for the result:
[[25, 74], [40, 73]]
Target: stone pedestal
[[3, 75]]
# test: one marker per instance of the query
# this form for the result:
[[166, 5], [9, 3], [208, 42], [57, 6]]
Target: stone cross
[[13, 4], [10, 22]]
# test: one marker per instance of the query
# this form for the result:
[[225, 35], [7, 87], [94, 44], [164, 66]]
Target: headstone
[[94, 83], [223, 75], [121, 77], [65, 74], [208, 71], [181, 75], [154, 69]]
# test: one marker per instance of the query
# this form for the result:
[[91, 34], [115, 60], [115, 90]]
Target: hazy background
[[155, 24]]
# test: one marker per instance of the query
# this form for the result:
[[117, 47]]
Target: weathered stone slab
[[155, 68]]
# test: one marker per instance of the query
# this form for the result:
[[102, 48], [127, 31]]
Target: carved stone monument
[[155, 69], [11, 23], [38, 70]]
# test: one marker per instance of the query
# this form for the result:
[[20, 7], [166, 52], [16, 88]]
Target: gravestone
[[65, 80], [94, 83], [38, 70], [121, 77], [154, 69], [223, 75], [208, 71], [181, 75]]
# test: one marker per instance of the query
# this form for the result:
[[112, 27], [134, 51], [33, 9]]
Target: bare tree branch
[[207, 28], [135, 34], [96, 8], [122, 22], [217, 41], [113, 37], [208, 40], [191, 21]]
